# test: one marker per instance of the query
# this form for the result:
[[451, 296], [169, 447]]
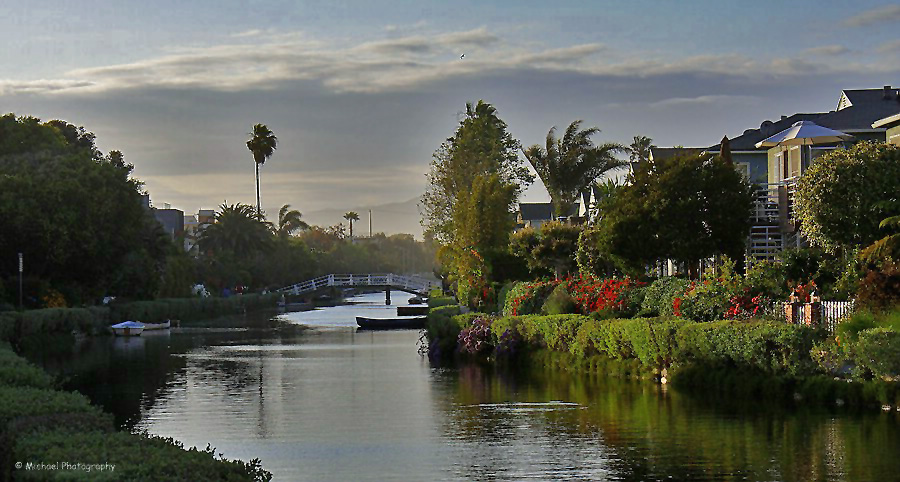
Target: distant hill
[[392, 218]]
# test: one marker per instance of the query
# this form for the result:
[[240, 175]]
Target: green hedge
[[656, 342], [771, 346], [438, 301], [658, 297], [15, 371], [97, 319], [135, 456], [878, 350]]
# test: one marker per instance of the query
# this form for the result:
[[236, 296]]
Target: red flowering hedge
[[590, 294]]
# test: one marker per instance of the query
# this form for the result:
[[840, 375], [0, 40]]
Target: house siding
[[892, 136]]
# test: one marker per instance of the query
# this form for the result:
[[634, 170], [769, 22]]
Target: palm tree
[[262, 144], [640, 151], [289, 221], [569, 165], [351, 216], [237, 229]]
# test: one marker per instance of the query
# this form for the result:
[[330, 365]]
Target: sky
[[361, 93]]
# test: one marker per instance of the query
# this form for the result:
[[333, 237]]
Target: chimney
[[783, 117], [887, 92]]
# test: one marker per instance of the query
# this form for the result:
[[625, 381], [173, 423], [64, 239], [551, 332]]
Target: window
[[743, 168]]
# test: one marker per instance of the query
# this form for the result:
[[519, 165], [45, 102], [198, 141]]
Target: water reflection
[[331, 403]]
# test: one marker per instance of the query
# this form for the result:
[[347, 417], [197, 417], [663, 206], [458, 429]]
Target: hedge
[[15, 371], [135, 456], [774, 347], [41, 425], [656, 342], [97, 319]]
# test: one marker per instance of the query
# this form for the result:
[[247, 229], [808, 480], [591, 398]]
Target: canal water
[[315, 399]]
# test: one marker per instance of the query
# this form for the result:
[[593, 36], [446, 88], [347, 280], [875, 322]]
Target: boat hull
[[128, 331], [410, 322], [158, 326]]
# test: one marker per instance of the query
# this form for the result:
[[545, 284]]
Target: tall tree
[[289, 221], [639, 151], [351, 216], [262, 144], [568, 166], [475, 179]]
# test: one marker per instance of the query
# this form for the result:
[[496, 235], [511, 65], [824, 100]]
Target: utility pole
[[370, 223], [21, 269]]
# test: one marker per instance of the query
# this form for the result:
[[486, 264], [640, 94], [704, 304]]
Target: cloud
[[887, 14], [264, 60], [890, 47], [826, 50], [704, 100]]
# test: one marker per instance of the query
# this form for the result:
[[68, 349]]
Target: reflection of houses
[[533, 215]]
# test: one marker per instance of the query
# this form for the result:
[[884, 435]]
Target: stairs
[[765, 242]]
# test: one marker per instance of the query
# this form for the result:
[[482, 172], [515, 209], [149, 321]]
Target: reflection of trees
[[644, 432]]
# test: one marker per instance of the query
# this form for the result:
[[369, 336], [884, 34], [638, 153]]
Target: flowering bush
[[527, 298], [659, 297], [802, 291], [595, 295], [746, 306], [476, 339]]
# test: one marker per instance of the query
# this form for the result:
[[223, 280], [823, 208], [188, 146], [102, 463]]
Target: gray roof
[[747, 141], [541, 211], [866, 107]]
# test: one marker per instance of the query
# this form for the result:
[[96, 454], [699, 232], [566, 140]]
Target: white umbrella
[[804, 133]]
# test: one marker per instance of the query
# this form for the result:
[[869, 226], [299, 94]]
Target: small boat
[[416, 300], [128, 328], [409, 322], [158, 326]]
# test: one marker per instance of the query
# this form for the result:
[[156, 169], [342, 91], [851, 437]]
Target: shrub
[[18, 372], [556, 332], [527, 298], [770, 346], [595, 295], [136, 457], [878, 350], [438, 301], [476, 338], [559, 302], [880, 289], [441, 331], [659, 296]]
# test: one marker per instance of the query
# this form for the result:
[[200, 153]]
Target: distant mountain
[[392, 218]]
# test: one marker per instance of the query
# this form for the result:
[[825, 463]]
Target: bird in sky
[[461, 56]]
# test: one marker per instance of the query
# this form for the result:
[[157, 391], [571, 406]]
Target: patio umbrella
[[804, 133]]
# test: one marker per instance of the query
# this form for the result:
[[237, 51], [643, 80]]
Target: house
[[866, 114], [533, 215], [892, 125]]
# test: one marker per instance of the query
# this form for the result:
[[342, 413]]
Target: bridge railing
[[411, 283]]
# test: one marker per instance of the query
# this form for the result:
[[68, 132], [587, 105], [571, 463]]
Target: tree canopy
[[569, 165], [685, 208], [845, 194], [75, 214]]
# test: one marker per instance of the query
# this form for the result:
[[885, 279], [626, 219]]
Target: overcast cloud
[[359, 112]]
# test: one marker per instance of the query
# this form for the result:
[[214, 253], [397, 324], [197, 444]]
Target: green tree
[[351, 216], [568, 166], [74, 214], [262, 144], [475, 179], [639, 151], [686, 209], [236, 229], [289, 221], [481, 146], [552, 249], [841, 197]]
